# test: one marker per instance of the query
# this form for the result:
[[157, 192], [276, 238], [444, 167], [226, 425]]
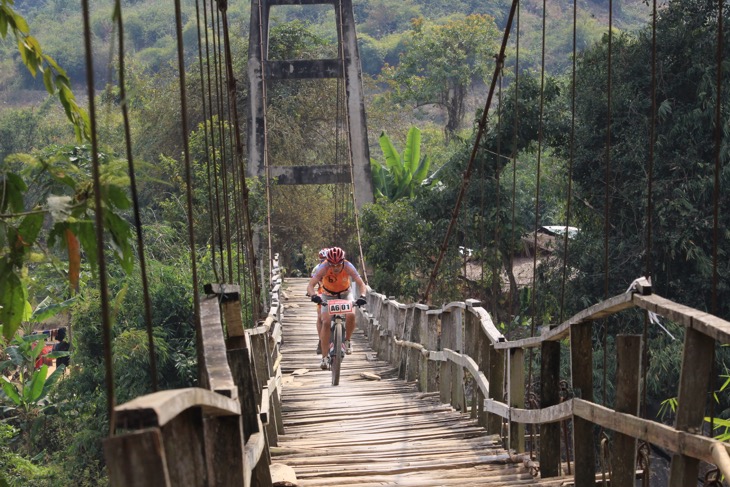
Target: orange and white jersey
[[336, 282]]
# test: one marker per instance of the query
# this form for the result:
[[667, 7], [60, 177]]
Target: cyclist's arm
[[355, 276], [314, 280]]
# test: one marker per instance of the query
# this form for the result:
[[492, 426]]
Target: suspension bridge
[[432, 395]]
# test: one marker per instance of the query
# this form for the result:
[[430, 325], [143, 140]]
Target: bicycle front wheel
[[336, 357]]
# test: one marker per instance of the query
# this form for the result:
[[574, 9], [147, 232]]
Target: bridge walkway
[[376, 432]]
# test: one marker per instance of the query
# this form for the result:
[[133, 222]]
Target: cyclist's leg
[[319, 326], [324, 332], [349, 326]]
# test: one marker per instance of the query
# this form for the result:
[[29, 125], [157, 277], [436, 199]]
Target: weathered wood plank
[[581, 366], [159, 408], [216, 372], [705, 323], [694, 379], [385, 432], [516, 399], [600, 310], [628, 365], [142, 449], [549, 396], [224, 450], [185, 449]]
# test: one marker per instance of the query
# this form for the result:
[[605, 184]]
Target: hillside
[[381, 26]]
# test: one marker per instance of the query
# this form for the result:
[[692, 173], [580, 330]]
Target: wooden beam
[[549, 396], [600, 310], [697, 358], [159, 408], [144, 450], [303, 69], [628, 367], [691, 318], [581, 365], [225, 292], [216, 372], [516, 388]]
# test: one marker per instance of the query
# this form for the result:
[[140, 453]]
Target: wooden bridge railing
[[218, 433], [445, 349]]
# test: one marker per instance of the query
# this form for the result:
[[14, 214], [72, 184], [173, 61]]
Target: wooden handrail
[[159, 408], [685, 443], [216, 371]]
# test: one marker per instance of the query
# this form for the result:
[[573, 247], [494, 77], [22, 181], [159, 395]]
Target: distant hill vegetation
[[382, 25]]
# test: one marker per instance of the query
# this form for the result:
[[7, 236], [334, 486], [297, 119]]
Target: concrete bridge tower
[[261, 70]]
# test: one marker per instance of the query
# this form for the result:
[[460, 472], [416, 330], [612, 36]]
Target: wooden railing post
[[517, 397], [581, 363], [451, 378], [224, 450], [628, 365], [413, 335], [432, 344], [399, 332], [472, 347], [244, 373], [496, 375], [275, 373], [261, 354], [699, 351], [457, 371], [448, 338], [137, 458], [407, 327], [550, 396], [383, 338]]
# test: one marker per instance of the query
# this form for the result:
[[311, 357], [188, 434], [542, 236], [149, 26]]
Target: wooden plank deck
[[374, 433]]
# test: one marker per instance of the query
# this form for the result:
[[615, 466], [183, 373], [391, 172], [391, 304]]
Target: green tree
[[441, 63], [684, 158]]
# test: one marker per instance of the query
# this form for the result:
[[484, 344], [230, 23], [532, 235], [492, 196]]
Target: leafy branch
[[55, 79]]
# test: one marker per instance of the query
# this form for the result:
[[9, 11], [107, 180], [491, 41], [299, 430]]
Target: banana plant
[[401, 174], [30, 386]]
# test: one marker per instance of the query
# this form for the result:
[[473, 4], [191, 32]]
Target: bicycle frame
[[338, 309]]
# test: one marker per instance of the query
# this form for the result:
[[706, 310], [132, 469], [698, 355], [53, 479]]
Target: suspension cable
[[349, 152], [571, 160], [239, 156], [135, 200], [515, 139], [649, 206], [225, 160], [718, 162], [212, 138], [99, 223], [496, 284], [716, 194], [607, 202], [206, 142], [188, 177], [475, 149], [267, 169], [533, 305]]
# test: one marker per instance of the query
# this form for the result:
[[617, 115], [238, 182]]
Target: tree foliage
[[442, 61], [61, 193]]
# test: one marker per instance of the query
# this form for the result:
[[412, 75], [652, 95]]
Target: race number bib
[[339, 306]]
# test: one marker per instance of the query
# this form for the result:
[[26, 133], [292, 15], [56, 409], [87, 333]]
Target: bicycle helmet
[[323, 254], [335, 255]]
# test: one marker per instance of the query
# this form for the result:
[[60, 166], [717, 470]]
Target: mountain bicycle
[[338, 309]]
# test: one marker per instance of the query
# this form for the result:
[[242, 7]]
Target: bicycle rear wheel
[[336, 357]]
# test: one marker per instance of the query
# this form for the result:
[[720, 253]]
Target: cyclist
[[322, 258], [336, 278]]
